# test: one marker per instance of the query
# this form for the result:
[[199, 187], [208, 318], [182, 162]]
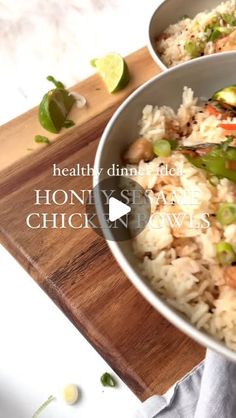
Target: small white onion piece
[[80, 100]]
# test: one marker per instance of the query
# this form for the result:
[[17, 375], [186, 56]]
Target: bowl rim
[[172, 315], [151, 49]]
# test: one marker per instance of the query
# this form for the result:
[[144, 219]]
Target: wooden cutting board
[[75, 267]]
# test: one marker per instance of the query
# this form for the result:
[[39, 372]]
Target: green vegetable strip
[[43, 406], [220, 160]]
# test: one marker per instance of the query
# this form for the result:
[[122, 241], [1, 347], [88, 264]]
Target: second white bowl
[[169, 12]]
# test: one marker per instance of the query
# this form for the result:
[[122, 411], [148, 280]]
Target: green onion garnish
[[226, 214], [108, 380], [194, 49], [215, 34], [225, 253], [40, 139], [162, 148]]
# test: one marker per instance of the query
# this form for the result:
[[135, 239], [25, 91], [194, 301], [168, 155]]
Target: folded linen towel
[[208, 391]]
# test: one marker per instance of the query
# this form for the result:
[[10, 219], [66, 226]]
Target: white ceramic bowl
[[204, 76], [169, 12]]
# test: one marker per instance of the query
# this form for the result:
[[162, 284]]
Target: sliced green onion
[[215, 22], [226, 214], [225, 253], [230, 19], [108, 380], [40, 139], [43, 406], [218, 32], [162, 148], [194, 49], [185, 17], [215, 34]]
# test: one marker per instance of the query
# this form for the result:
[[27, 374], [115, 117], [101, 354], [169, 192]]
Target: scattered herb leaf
[[68, 123], [185, 17], [57, 83], [40, 139], [108, 380], [43, 406]]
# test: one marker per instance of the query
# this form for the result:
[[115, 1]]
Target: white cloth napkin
[[208, 391]]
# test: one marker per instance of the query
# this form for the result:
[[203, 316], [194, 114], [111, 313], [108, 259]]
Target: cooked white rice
[[181, 263], [189, 37]]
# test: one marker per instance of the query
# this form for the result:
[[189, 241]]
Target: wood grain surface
[[75, 267]]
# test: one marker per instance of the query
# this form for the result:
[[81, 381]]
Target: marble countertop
[[40, 350], [42, 37]]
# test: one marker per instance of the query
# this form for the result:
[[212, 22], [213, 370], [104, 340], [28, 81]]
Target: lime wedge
[[113, 70], [54, 109]]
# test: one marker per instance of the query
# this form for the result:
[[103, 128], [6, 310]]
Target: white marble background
[[59, 37]]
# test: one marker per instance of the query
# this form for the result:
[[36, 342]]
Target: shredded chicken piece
[[228, 43], [230, 276], [173, 129], [166, 180], [141, 149], [163, 36]]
